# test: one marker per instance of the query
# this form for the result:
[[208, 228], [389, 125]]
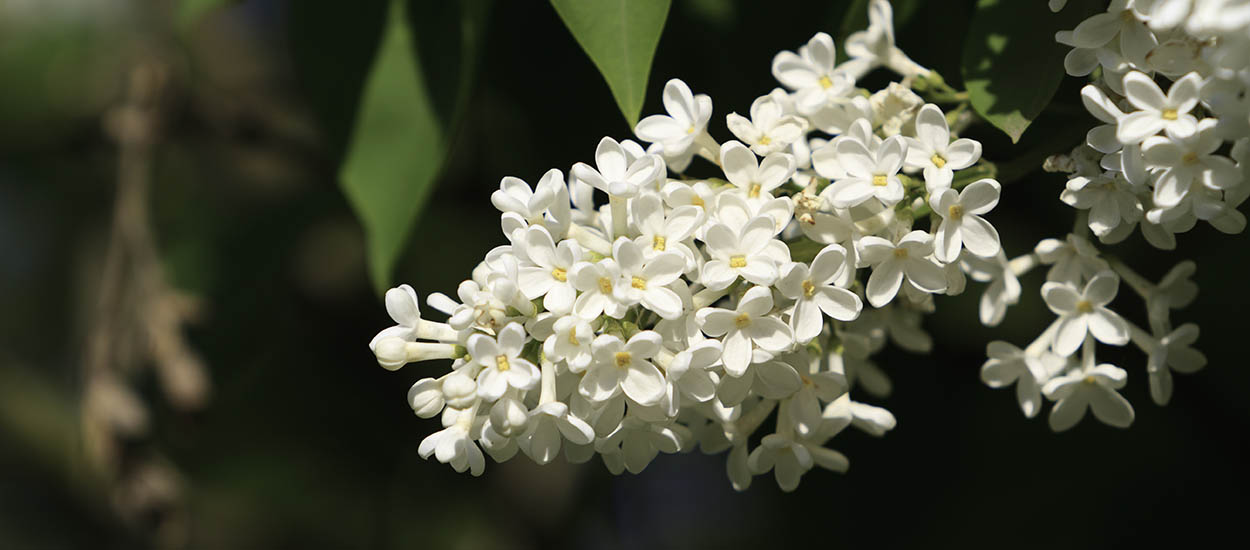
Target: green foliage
[[620, 36], [189, 12], [396, 149], [1011, 63]]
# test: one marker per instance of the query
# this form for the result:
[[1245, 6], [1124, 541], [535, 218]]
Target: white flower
[[1073, 259], [811, 74], [617, 173], [892, 262], [933, 151], [769, 379], [503, 364], [1135, 39], [1109, 199], [894, 109], [426, 397], [638, 442], [1093, 388], [547, 423], [814, 291], [962, 224], [548, 277], [1004, 287], [1172, 352], [1084, 312], [597, 284], [687, 119], [875, 47], [660, 233], [570, 342], [452, 445], [1157, 112], [788, 458], [624, 367], [689, 374], [1102, 137], [745, 252], [646, 281], [748, 325], [756, 180], [869, 173], [769, 130], [1008, 364], [515, 196], [1183, 160]]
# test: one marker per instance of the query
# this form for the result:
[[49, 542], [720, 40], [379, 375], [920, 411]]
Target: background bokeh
[[303, 442]]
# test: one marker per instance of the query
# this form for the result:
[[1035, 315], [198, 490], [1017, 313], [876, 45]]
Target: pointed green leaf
[[620, 36], [396, 151], [1011, 63]]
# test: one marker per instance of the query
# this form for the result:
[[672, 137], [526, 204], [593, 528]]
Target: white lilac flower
[[788, 458], [638, 442], [1003, 289], [768, 379], [811, 74], [647, 281], [426, 397], [660, 232], [570, 342], [690, 378], [814, 290], [1102, 137], [515, 196], [769, 129], [615, 173], [1183, 160], [503, 365], [754, 179], [452, 445], [1008, 364], [1110, 200], [933, 151], [597, 284], [894, 109], [1072, 260], [686, 121], [747, 326], [1092, 388], [548, 277], [962, 224], [892, 262], [1084, 311], [624, 367], [1172, 352], [1135, 40], [874, 47], [549, 424], [870, 173], [1158, 112], [744, 253]]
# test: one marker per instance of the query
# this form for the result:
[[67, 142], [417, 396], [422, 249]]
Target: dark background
[[307, 443]]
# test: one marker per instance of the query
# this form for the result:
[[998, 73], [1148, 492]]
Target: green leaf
[[1011, 63], [620, 36], [189, 12], [396, 150]]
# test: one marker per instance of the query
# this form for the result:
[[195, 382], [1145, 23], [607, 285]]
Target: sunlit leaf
[[620, 36]]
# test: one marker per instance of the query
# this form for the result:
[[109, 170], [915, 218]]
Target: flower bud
[[426, 397]]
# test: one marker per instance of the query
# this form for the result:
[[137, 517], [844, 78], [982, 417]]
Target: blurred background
[[186, 306]]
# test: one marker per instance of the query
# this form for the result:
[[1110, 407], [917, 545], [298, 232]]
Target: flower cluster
[[1159, 161]]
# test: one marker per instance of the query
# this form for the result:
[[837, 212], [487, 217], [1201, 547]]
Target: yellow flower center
[[765, 140], [638, 283], [501, 363], [755, 191], [738, 261], [880, 180], [808, 288], [742, 320], [1190, 158], [658, 243], [1089, 379], [937, 160], [573, 338], [623, 359], [605, 285], [690, 130], [826, 82], [900, 252], [560, 274], [1084, 306], [1169, 114], [698, 201], [955, 212]]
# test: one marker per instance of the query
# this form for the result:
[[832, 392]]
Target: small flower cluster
[[1159, 161], [687, 311]]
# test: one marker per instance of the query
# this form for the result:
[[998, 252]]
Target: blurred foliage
[[308, 444]]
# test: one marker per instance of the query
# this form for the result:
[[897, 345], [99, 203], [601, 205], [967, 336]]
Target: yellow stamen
[[1190, 158], [638, 283], [900, 252], [765, 140], [623, 359], [1084, 306], [880, 181], [658, 242], [573, 338], [737, 261], [742, 320], [690, 130], [560, 274], [698, 201], [955, 212], [754, 192], [1089, 379], [501, 363], [605, 285], [1169, 114], [808, 288], [937, 160], [825, 82]]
